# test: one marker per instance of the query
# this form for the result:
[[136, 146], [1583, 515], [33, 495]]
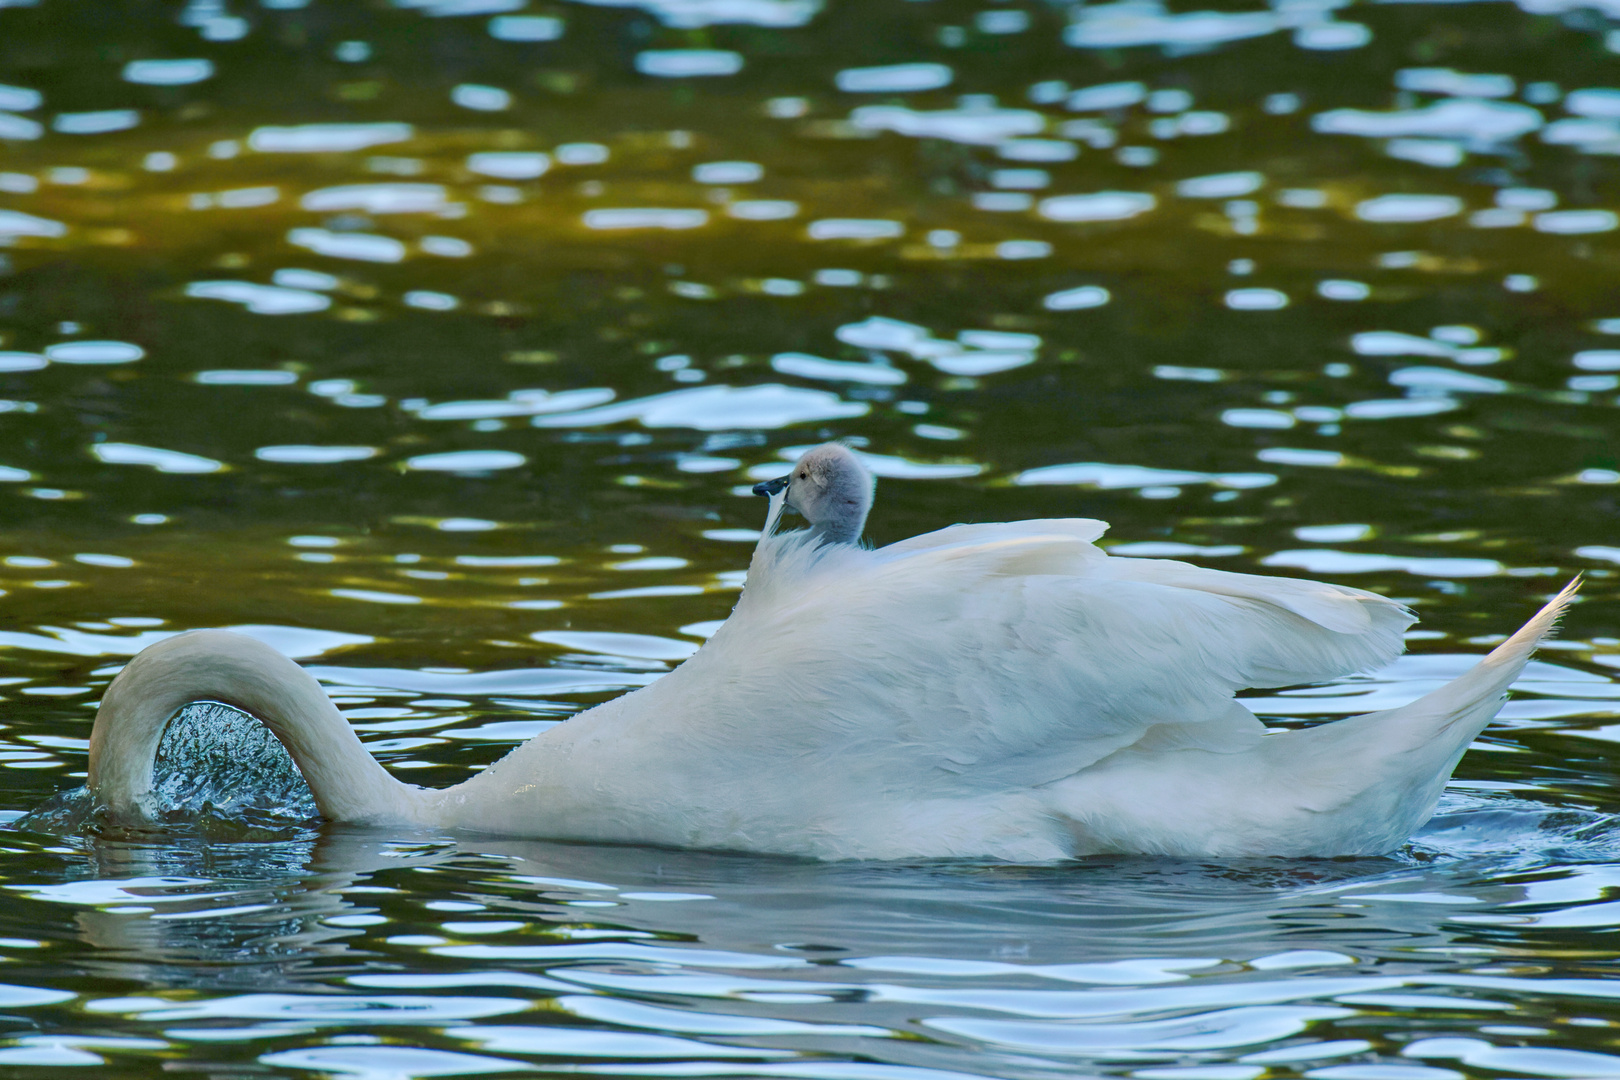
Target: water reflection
[[507, 307], [642, 955]]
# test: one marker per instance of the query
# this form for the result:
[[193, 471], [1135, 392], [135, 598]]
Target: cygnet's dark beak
[[771, 487]]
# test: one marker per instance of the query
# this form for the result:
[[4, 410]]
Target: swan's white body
[[1006, 691]]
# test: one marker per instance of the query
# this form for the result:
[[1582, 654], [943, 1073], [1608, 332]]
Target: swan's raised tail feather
[[1358, 786], [1463, 706], [216, 665], [1392, 766]]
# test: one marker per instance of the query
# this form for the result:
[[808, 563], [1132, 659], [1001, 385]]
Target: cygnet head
[[831, 488]]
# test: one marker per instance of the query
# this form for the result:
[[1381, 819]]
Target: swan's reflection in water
[[647, 960]]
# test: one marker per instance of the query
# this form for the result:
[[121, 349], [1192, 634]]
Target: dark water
[[433, 340]]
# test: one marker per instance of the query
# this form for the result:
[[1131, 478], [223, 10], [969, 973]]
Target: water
[[438, 343]]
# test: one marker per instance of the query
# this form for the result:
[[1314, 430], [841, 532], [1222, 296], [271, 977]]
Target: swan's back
[[968, 667]]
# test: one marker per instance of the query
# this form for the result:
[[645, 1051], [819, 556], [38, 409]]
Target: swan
[[1005, 691]]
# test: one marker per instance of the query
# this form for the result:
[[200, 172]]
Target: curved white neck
[[215, 665]]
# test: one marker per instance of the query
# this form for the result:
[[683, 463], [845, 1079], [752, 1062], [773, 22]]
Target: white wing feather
[[986, 656]]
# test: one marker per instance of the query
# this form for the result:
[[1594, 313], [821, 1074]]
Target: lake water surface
[[438, 342]]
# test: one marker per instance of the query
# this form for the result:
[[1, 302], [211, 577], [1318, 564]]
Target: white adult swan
[[1004, 690]]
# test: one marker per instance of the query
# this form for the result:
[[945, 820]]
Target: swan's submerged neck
[[216, 665]]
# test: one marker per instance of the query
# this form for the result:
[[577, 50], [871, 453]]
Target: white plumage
[[1000, 690]]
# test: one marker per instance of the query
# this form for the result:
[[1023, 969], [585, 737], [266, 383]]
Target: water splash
[[215, 767], [219, 761]]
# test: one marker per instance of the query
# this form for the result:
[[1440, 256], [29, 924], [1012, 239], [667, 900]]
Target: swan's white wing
[[1085, 530], [985, 656]]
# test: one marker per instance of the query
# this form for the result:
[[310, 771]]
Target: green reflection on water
[[1192, 312], [1052, 248]]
